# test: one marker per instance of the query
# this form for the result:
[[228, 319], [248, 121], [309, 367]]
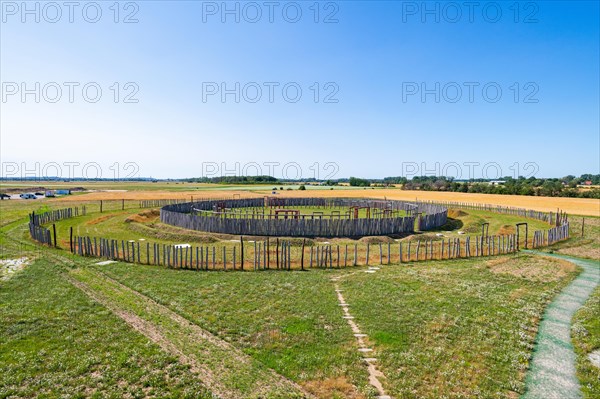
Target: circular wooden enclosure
[[284, 219]]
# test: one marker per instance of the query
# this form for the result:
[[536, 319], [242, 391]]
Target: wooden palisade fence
[[282, 254], [288, 255], [192, 216]]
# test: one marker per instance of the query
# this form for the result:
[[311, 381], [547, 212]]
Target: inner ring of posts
[[305, 217]]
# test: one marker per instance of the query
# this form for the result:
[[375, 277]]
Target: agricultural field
[[94, 191], [459, 328]]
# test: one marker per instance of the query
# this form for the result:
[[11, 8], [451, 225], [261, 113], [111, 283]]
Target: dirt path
[[375, 375], [552, 371], [225, 370]]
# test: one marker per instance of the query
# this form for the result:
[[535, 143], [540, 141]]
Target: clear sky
[[191, 88]]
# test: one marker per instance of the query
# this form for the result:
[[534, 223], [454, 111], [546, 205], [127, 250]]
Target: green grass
[[586, 246], [290, 321], [498, 222], [315, 211], [454, 329], [56, 342], [444, 329], [229, 373], [585, 334]]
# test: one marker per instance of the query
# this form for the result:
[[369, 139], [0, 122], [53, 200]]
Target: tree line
[[568, 186]]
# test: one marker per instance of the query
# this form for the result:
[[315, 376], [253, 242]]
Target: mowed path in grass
[[552, 374], [57, 342], [289, 322], [225, 370]]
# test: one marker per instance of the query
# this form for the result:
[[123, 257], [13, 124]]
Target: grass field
[[456, 329], [308, 211], [57, 342], [583, 246], [586, 339]]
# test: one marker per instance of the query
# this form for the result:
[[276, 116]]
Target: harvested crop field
[[575, 206]]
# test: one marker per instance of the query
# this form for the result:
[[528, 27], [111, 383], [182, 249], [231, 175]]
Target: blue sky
[[371, 62]]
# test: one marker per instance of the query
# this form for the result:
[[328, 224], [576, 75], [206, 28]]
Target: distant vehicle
[[28, 196], [50, 194], [63, 192], [4, 196], [39, 194]]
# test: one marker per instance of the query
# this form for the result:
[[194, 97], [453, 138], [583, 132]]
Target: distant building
[[588, 183], [497, 182]]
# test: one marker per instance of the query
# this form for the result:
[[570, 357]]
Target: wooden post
[[277, 252], [346, 256], [582, 226], [242, 252], [268, 254], [400, 252], [71, 238], [214, 257], [54, 230], [302, 255], [100, 206], [123, 204]]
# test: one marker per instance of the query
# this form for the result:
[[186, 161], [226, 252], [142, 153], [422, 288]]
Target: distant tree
[[356, 182]]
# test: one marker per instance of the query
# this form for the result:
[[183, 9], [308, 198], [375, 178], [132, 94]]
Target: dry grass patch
[[456, 213], [146, 216], [336, 387], [533, 268], [582, 251], [376, 240], [507, 229], [101, 219], [165, 232]]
